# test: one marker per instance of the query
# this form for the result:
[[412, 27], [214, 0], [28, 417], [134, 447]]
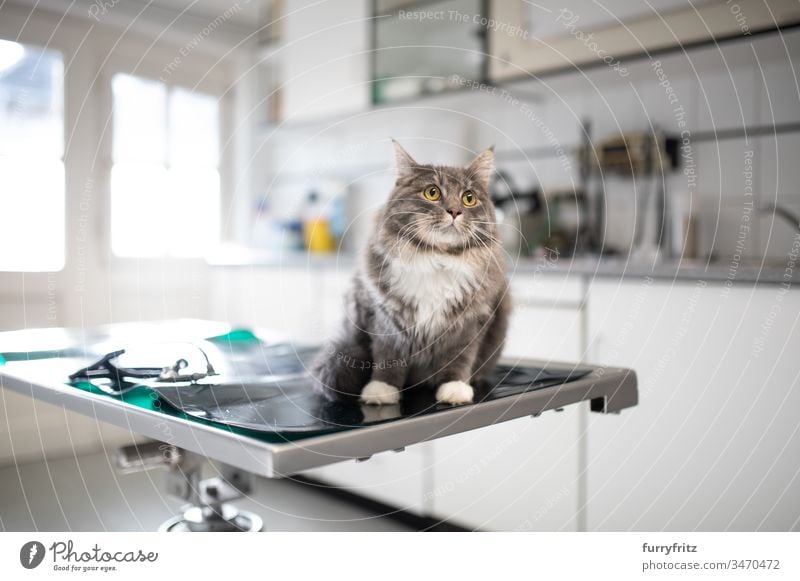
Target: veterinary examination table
[[243, 399]]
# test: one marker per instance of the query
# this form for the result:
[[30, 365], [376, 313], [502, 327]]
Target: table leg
[[208, 500]]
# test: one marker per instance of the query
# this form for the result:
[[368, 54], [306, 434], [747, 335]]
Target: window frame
[[168, 164], [179, 78]]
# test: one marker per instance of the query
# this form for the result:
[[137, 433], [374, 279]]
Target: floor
[[85, 493]]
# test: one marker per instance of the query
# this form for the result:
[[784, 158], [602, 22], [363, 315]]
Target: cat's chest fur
[[430, 285]]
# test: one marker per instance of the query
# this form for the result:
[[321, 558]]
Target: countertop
[[730, 272], [724, 271]]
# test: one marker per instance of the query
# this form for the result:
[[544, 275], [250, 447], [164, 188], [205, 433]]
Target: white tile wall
[[554, 174], [614, 109], [720, 166], [562, 114], [726, 89], [511, 124], [779, 168], [720, 228], [659, 110], [779, 94], [776, 235]]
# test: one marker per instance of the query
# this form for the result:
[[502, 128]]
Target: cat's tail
[[342, 368]]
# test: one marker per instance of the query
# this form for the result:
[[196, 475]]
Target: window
[[32, 220], [165, 186]]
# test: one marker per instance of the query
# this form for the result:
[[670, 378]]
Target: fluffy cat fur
[[429, 303]]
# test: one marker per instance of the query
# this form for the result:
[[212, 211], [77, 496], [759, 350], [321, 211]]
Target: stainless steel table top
[[43, 377]]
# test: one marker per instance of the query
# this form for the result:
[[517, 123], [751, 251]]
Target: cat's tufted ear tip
[[482, 167], [404, 162]]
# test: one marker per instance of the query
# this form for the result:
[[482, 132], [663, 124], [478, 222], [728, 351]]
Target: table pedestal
[[208, 500]]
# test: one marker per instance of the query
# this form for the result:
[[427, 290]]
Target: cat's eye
[[432, 193], [469, 199]]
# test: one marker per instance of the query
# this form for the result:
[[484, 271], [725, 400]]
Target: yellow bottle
[[317, 232], [318, 236]]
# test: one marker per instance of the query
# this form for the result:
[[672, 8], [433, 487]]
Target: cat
[[429, 303]]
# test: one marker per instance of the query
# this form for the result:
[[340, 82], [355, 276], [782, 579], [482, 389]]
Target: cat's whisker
[[514, 228], [486, 237], [412, 235], [486, 246], [416, 226], [407, 232], [411, 229]]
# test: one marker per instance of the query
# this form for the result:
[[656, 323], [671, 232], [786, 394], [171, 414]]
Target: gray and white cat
[[429, 304]]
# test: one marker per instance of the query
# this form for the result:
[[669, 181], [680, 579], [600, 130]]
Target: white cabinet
[[714, 442], [553, 39], [325, 58], [547, 320], [398, 479], [547, 333], [518, 475]]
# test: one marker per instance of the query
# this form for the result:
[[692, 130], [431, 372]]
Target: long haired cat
[[429, 304]]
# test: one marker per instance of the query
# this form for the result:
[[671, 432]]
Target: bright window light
[[32, 219], [165, 185], [10, 54]]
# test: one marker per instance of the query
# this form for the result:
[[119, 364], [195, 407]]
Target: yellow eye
[[432, 193], [469, 198]]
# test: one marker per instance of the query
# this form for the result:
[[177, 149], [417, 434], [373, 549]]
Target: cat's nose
[[454, 212]]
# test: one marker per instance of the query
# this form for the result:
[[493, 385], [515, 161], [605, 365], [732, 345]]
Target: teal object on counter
[[235, 335]]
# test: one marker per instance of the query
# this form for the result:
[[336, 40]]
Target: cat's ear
[[482, 167], [405, 163]]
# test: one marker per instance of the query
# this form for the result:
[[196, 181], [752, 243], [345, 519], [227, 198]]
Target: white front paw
[[454, 392], [378, 393]]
